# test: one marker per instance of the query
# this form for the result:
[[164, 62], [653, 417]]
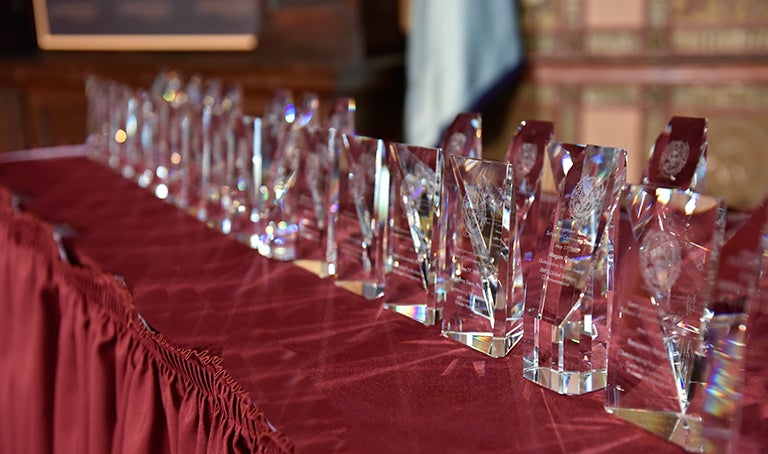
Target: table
[[274, 358]]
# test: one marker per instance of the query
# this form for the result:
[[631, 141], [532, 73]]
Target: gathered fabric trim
[[198, 370]]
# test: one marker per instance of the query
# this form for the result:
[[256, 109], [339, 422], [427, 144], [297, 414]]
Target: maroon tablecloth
[[330, 370]]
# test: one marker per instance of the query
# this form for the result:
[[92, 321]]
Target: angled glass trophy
[[212, 164], [317, 189], [570, 291], [361, 222], [240, 195], [679, 155], [733, 323], [342, 117], [279, 217], [149, 139], [462, 138], [170, 171], [666, 267], [526, 154], [97, 95], [484, 300], [188, 160], [416, 176]]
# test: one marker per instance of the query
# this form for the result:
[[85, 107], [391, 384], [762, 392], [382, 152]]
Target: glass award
[[240, 194], [317, 192], [276, 129], [97, 96], [342, 116], [215, 167], [679, 156], [666, 263], [571, 289], [361, 221], [731, 323], [526, 154], [119, 96], [149, 138], [186, 161], [286, 186], [462, 138], [484, 301], [170, 172], [416, 175]]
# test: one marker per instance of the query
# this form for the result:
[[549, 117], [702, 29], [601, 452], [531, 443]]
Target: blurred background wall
[[606, 72]]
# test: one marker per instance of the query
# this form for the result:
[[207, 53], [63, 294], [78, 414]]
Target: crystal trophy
[[484, 301], [526, 154], [149, 138], [216, 167], [679, 156], [119, 96], [171, 98], [317, 192], [97, 95], [186, 161], [342, 116], [732, 320], [241, 191], [462, 138], [416, 176], [280, 218], [275, 130], [361, 223], [571, 289], [666, 262]]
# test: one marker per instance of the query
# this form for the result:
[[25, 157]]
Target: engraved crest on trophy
[[456, 143], [586, 198], [679, 155], [362, 174], [673, 158], [660, 261], [525, 160], [474, 208]]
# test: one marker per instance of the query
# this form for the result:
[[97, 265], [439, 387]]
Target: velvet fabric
[[208, 346]]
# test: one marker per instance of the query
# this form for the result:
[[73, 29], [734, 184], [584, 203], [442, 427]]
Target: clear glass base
[[317, 267], [564, 382], [680, 429], [495, 347], [426, 315], [367, 290], [283, 253], [278, 241]]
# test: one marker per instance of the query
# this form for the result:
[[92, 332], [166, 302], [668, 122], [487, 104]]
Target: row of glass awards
[[644, 290]]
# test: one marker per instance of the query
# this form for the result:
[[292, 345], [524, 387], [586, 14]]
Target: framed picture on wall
[[190, 25]]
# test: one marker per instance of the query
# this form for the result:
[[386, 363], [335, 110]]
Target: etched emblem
[[474, 209], [586, 198], [418, 189], [456, 144], [660, 261], [525, 160], [673, 158], [362, 174]]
